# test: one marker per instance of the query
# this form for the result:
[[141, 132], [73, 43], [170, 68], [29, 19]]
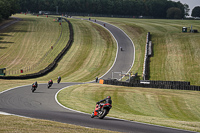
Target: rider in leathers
[[36, 84], [106, 100]]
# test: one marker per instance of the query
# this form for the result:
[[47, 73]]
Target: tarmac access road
[[42, 104], [10, 23]]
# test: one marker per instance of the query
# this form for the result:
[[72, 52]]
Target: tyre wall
[[178, 85]]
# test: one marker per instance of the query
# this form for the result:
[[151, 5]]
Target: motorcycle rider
[[35, 83], [59, 79], [50, 81], [106, 100]]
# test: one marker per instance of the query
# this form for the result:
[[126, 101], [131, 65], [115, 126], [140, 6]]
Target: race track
[[42, 103]]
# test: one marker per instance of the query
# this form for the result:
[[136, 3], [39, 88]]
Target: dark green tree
[[154, 8], [187, 9], [174, 13], [8, 7], [196, 11]]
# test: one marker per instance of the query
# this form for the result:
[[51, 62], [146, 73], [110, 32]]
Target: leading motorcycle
[[101, 110]]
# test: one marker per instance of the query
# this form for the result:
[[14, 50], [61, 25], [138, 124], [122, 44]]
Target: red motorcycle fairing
[[102, 105], [95, 110]]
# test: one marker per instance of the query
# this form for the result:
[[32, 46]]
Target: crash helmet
[[109, 97]]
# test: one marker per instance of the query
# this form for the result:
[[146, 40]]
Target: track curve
[[42, 104]]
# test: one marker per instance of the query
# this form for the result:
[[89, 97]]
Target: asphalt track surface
[[42, 103]]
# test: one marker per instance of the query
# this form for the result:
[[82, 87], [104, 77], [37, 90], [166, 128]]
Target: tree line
[[152, 8], [8, 7]]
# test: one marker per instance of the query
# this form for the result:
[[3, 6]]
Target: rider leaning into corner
[[35, 83], [50, 81], [106, 100]]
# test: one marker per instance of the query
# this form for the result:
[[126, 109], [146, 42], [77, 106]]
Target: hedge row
[[178, 85], [51, 66]]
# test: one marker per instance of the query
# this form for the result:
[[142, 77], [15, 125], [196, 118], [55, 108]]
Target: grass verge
[[171, 108], [24, 125]]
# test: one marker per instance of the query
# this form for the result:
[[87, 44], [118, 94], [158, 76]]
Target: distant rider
[[59, 79]]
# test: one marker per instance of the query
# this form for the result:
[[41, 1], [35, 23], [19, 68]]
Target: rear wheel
[[103, 114], [33, 89]]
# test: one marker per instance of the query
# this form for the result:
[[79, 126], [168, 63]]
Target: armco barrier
[[51, 66], [146, 59], [178, 85]]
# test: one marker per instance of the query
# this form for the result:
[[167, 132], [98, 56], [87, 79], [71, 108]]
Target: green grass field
[[90, 39], [176, 54], [24, 125], [25, 43], [171, 108]]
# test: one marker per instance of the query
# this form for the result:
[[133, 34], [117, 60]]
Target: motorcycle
[[58, 80], [101, 110], [49, 85], [33, 87]]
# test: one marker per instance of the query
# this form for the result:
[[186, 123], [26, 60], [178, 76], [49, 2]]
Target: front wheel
[[103, 114], [92, 115]]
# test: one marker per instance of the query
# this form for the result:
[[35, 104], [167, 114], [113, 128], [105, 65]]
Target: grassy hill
[[171, 108], [176, 54], [91, 54]]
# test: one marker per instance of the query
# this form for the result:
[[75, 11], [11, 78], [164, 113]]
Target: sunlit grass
[[24, 125], [172, 108], [175, 54]]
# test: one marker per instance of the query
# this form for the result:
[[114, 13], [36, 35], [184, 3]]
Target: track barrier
[[177, 85]]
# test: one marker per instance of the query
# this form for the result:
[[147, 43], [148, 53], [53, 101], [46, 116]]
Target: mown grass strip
[[24, 125], [172, 108], [27, 41]]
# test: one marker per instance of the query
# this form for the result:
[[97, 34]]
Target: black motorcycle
[[49, 84], [33, 87], [59, 79]]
